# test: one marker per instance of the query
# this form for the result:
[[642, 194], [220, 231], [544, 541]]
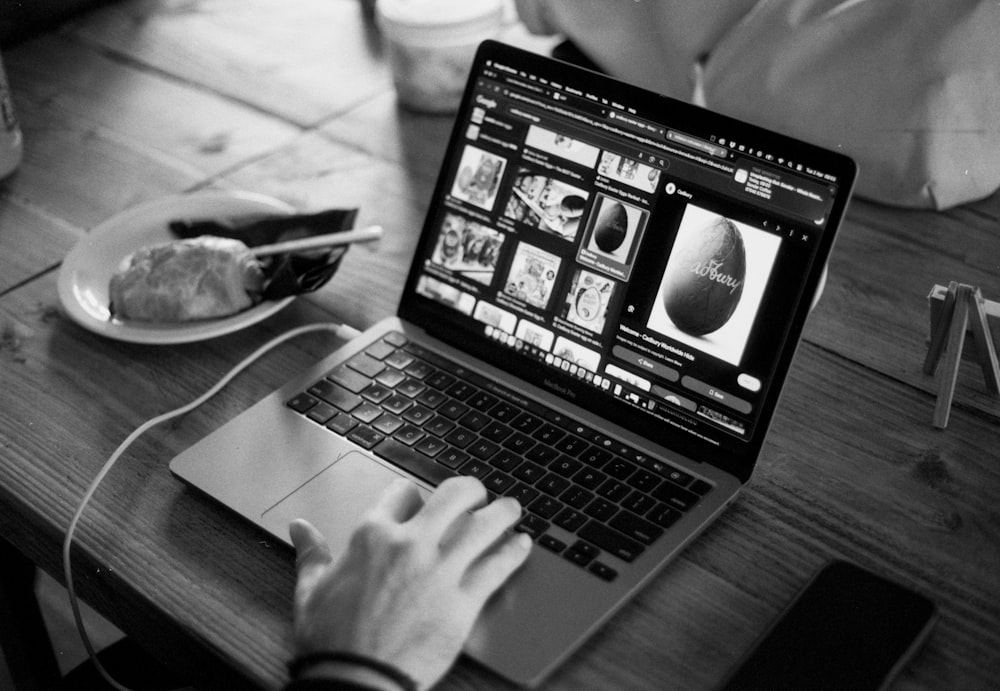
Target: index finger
[[453, 498]]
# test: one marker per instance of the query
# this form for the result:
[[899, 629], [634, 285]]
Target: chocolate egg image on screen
[[611, 226], [704, 278]]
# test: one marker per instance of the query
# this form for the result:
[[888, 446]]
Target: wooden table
[[147, 98]]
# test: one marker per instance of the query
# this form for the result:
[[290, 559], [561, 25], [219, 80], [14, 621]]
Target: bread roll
[[200, 278]]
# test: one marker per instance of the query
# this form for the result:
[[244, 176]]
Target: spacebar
[[408, 458]]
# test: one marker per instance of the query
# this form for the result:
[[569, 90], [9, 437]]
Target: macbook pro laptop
[[602, 309]]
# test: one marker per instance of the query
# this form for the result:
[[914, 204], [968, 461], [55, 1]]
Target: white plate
[[87, 269]]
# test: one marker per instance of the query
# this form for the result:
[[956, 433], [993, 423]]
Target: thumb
[[311, 550]]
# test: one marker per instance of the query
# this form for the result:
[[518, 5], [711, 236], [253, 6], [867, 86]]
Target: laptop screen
[[645, 259]]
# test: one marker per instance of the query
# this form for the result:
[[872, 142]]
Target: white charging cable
[[340, 330]]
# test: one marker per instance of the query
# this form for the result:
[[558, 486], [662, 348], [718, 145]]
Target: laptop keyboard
[[436, 419]]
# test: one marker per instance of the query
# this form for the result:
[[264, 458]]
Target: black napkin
[[284, 274]]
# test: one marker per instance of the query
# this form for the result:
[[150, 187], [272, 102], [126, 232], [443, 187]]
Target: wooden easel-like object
[[963, 307]]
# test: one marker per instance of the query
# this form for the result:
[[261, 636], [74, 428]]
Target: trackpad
[[334, 501]]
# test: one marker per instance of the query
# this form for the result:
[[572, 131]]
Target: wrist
[[352, 667]]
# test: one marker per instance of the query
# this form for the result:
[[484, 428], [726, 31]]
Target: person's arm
[[402, 600]]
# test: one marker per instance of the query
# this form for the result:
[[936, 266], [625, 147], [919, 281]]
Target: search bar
[[695, 143]]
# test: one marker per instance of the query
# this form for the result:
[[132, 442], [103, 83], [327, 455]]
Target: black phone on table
[[847, 628]]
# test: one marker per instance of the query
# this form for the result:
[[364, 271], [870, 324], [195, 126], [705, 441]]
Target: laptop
[[601, 311]]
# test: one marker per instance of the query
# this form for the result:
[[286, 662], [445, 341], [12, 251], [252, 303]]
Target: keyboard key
[[453, 410], [367, 365], [639, 503], [400, 359], [483, 449], [365, 436], [336, 396], [505, 460], [496, 431], [619, 468], [644, 480], [376, 393], [452, 457], [390, 377], [570, 445], [439, 426], [431, 446], [601, 509], [678, 476], [524, 494], [603, 571], [570, 519], [581, 553], [553, 485], [411, 388], [415, 348], [529, 472], [581, 430], [594, 456], [548, 434], [482, 401], [663, 516], [419, 370], [418, 414], [613, 490], [577, 497], [611, 541], [431, 398], [504, 412], [553, 544], [440, 380], [541, 454], [321, 412], [700, 487], [367, 412], [409, 435], [545, 506], [476, 468], [635, 527], [474, 420], [342, 424], [387, 423], [591, 479], [461, 390], [675, 496], [302, 403], [411, 460], [397, 404], [460, 437], [499, 482], [526, 422], [395, 338], [565, 466], [380, 349], [519, 443], [532, 525]]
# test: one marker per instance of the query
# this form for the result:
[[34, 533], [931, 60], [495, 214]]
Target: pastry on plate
[[199, 278]]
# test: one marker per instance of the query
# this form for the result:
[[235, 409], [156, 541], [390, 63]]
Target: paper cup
[[431, 45]]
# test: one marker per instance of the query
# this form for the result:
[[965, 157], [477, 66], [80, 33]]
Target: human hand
[[413, 580]]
